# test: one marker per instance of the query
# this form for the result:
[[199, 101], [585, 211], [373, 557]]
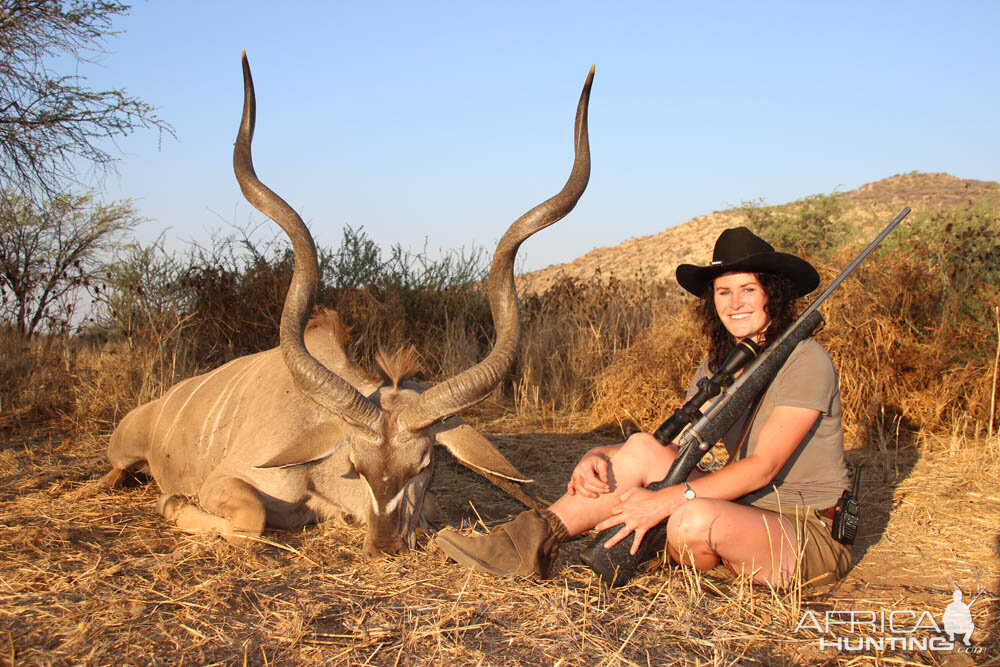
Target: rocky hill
[[656, 257]]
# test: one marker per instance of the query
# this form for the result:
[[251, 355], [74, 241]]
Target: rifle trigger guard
[[707, 467]]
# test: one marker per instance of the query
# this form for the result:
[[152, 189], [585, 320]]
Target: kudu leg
[[231, 507], [117, 476], [113, 478]]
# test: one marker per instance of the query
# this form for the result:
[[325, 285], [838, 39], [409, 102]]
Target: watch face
[[689, 492]]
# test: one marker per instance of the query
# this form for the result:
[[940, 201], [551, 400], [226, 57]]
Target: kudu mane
[[393, 367], [402, 364]]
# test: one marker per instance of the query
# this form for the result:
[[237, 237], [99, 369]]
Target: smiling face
[[739, 303]]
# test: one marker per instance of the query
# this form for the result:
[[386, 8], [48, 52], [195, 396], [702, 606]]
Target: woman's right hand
[[590, 476]]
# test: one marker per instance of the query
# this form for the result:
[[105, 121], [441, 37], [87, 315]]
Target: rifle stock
[[616, 566]]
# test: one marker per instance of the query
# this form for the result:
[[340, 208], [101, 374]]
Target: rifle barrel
[[857, 260]]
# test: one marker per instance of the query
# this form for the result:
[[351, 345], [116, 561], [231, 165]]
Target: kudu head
[[391, 431]]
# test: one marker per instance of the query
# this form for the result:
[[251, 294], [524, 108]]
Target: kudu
[[301, 433]]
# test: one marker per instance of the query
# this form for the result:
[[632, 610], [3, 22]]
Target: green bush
[[224, 299], [960, 252], [814, 226]]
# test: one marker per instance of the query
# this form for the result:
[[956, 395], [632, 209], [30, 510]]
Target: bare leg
[[526, 545], [702, 532], [640, 461], [750, 541]]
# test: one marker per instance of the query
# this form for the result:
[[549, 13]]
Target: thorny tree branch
[[49, 250], [50, 123]]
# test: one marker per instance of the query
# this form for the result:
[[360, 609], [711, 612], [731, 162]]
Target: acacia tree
[[49, 250], [50, 123]]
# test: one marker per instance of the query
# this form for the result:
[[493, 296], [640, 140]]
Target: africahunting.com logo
[[896, 629]]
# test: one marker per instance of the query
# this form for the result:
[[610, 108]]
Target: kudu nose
[[374, 550]]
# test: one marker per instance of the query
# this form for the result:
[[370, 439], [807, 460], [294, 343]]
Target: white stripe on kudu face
[[371, 494], [391, 505], [394, 503]]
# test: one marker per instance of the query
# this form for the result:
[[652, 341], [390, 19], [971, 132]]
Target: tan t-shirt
[[815, 475]]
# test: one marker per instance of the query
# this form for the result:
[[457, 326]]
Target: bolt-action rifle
[[616, 566]]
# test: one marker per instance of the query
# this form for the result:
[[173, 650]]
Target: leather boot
[[524, 546]]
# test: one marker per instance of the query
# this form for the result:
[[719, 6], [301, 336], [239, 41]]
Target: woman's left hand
[[639, 511]]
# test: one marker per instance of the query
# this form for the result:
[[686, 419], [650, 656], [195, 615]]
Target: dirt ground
[[104, 580]]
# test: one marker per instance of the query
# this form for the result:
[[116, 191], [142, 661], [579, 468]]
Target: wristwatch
[[689, 493]]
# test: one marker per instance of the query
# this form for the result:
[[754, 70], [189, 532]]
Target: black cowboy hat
[[740, 250]]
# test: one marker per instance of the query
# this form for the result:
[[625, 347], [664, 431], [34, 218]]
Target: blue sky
[[441, 122]]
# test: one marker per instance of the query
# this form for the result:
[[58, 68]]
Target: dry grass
[[103, 580], [67, 383], [641, 385], [571, 333]]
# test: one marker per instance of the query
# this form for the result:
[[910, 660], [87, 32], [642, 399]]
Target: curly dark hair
[[781, 308]]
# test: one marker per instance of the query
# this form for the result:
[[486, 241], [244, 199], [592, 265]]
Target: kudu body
[[301, 433]]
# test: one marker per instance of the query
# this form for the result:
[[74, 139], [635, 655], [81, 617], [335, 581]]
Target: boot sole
[[456, 553]]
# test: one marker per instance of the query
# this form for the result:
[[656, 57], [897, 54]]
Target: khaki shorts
[[824, 559]]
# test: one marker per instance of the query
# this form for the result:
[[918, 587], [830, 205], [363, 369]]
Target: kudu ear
[[299, 457], [478, 454]]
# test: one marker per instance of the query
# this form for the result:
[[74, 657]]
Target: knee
[[641, 440], [644, 453], [170, 506], [237, 502], [643, 447], [249, 519], [691, 524], [245, 513]]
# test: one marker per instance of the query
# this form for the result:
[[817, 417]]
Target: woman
[[767, 512]]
